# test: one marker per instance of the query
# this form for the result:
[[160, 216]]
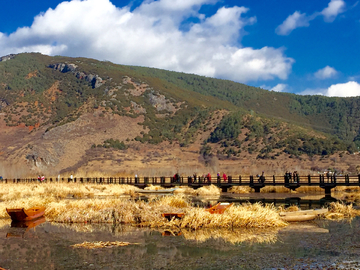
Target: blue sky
[[303, 47]]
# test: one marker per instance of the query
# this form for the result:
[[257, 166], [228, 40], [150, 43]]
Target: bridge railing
[[241, 180]]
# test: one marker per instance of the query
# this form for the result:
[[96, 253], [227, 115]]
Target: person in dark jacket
[[262, 178]]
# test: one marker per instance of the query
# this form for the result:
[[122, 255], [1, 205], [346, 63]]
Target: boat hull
[[304, 215], [21, 214]]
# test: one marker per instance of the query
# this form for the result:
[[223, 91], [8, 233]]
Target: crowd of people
[[291, 177], [201, 178]]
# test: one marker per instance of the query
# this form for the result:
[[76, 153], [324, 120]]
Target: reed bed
[[208, 190], [340, 211], [61, 190], [85, 209], [61, 207], [239, 190], [272, 189], [244, 216], [185, 190], [352, 196], [4, 223]]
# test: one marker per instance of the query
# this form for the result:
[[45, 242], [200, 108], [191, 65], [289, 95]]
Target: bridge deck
[[327, 183]]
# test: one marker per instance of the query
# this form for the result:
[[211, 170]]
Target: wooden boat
[[169, 216], [20, 214], [302, 215], [161, 191], [219, 208]]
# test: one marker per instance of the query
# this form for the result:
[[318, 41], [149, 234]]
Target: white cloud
[[349, 89], [298, 19], [150, 35], [334, 8], [279, 87], [292, 22], [325, 73]]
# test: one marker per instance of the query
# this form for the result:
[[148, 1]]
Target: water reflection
[[249, 236], [20, 228], [50, 247], [304, 202]]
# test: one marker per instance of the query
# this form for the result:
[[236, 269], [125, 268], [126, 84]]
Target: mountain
[[61, 115]]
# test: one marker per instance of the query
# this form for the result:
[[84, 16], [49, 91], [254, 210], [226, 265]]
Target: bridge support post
[[327, 187], [328, 191], [257, 189]]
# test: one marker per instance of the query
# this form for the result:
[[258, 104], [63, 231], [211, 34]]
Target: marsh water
[[320, 244]]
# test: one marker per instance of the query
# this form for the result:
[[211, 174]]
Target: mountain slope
[[61, 115]]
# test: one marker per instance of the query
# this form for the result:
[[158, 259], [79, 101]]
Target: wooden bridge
[[325, 182]]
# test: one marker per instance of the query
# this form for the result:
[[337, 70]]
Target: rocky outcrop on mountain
[[161, 103], [7, 57], [137, 108], [94, 79], [63, 67], [3, 103]]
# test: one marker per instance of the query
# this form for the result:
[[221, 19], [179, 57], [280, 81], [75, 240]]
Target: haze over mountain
[[83, 116]]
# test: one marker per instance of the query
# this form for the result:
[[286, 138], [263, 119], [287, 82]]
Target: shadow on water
[[305, 202]]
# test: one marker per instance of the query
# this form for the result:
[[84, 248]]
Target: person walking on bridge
[[224, 177]]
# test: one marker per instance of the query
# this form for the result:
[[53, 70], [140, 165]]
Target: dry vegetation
[[101, 244], [82, 203], [340, 211]]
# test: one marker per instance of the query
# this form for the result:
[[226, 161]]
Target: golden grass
[[274, 189], [239, 190], [339, 210], [208, 190], [77, 203], [4, 223], [62, 190], [101, 244], [248, 216], [292, 208], [62, 207], [185, 190]]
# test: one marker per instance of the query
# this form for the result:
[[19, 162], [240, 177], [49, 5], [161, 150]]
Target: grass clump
[[208, 190], [244, 216], [339, 210], [239, 190]]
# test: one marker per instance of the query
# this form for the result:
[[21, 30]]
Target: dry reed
[[248, 216], [101, 244], [239, 190], [208, 190], [339, 210], [61, 207]]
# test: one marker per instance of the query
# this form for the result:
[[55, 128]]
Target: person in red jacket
[[208, 177], [224, 177]]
